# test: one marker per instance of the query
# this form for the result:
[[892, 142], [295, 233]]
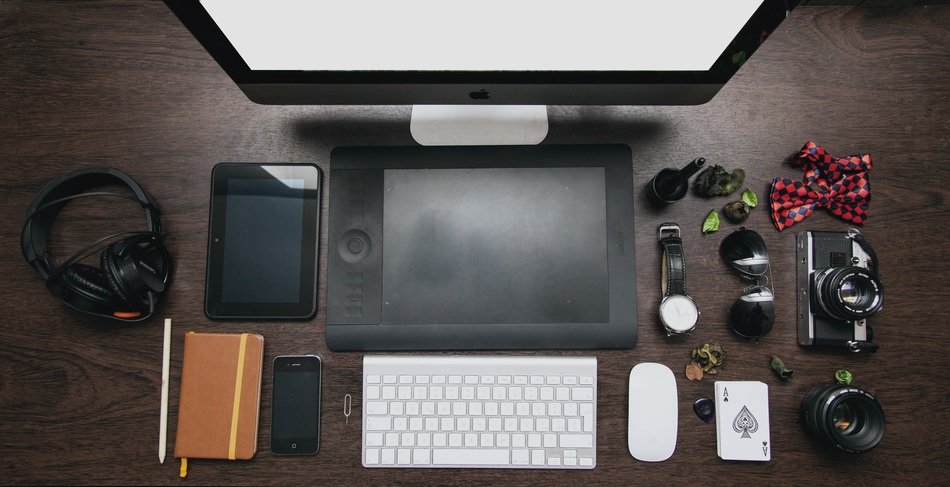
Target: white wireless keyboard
[[479, 412]]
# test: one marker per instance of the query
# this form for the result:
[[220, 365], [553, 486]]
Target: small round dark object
[[845, 417], [737, 211], [705, 408]]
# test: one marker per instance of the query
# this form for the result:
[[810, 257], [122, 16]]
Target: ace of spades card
[[742, 421]]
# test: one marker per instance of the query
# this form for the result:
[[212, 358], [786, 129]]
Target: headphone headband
[[57, 193]]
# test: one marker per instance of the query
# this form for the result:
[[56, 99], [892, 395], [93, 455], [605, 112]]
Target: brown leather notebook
[[220, 396]]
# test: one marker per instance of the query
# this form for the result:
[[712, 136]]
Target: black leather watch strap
[[674, 265]]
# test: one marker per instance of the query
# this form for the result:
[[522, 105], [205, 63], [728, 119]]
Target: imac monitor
[[524, 52]]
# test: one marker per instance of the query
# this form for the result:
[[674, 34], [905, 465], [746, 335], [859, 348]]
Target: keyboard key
[[534, 440], [440, 439], [576, 441], [587, 381], [499, 393], [438, 379], [582, 394], [392, 439], [372, 456], [402, 456], [471, 439], [432, 424], [486, 439], [422, 379], [504, 379], [428, 408], [379, 424], [372, 392], [521, 379], [475, 409], [570, 380], [570, 462], [420, 392], [389, 379], [554, 461], [420, 456], [423, 439], [537, 457], [455, 439], [587, 462], [451, 456], [488, 379], [395, 408], [455, 379], [400, 424], [372, 379], [408, 439], [550, 440], [519, 457], [564, 394], [388, 456], [502, 439], [389, 392], [471, 379], [405, 392], [484, 393], [553, 379], [519, 440], [412, 408], [405, 379], [375, 408], [537, 379], [374, 439], [415, 424]]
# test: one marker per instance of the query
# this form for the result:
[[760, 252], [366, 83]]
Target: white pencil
[[163, 426]]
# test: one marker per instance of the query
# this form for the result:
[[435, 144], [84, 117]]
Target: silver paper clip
[[347, 405]]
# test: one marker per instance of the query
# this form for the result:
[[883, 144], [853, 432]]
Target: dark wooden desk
[[124, 84]]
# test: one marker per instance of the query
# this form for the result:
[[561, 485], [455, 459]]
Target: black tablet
[[263, 241]]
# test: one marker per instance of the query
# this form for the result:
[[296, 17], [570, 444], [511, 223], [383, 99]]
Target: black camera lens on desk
[[845, 417]]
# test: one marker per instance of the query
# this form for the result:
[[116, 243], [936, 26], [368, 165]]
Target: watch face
[[678, 313]]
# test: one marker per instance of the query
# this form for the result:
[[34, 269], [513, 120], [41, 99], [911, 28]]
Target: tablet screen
[[262, 244]]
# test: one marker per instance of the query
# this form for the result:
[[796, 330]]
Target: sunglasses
[[753, 314]]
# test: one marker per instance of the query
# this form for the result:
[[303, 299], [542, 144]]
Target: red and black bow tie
[[839, 184]]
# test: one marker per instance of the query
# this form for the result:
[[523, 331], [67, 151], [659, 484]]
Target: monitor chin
[[479, 124]]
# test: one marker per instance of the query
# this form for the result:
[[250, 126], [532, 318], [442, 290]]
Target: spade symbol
[[725, 395], [745, 423]]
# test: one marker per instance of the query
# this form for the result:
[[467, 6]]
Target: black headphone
[[134, 265]]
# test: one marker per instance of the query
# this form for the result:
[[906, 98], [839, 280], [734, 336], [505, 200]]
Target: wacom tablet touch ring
[[355, 245]]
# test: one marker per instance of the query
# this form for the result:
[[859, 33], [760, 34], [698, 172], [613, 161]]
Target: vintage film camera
[[838, 289]]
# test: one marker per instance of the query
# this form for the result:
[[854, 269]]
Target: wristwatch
[[678, 312]]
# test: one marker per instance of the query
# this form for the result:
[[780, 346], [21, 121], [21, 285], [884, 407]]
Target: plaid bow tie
[[839, 184]]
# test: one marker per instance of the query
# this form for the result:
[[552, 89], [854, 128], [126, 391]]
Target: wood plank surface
[[124, 84]]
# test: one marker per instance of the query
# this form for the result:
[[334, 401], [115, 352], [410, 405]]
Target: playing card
[[742, 421]]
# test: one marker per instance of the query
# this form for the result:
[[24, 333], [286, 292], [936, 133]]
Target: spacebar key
[[469, 457]]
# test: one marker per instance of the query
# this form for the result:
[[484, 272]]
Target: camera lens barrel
[[845, 417], [848, 293]]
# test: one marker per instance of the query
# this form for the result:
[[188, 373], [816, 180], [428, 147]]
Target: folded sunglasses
[[753, 314]]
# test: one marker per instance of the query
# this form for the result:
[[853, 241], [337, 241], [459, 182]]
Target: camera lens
[[848, 293], [845, 417]]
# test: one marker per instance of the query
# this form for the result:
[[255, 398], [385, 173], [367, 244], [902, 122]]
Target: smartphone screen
[[295, 420]]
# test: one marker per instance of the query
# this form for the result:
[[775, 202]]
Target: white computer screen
[[486, 35]]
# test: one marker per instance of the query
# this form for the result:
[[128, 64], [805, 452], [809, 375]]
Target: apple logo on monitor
[[481, 94]]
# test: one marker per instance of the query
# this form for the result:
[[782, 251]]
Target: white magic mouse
[[653, 412]]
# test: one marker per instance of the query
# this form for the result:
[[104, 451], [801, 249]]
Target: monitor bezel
[[488, 87]]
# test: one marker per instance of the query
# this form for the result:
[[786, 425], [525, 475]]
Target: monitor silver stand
[[479, 124]]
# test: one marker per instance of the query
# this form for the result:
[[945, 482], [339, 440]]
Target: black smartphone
[[295, 417]]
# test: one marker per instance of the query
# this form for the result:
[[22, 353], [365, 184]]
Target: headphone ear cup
[[88, 285], [109, 277], [137, 269]]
